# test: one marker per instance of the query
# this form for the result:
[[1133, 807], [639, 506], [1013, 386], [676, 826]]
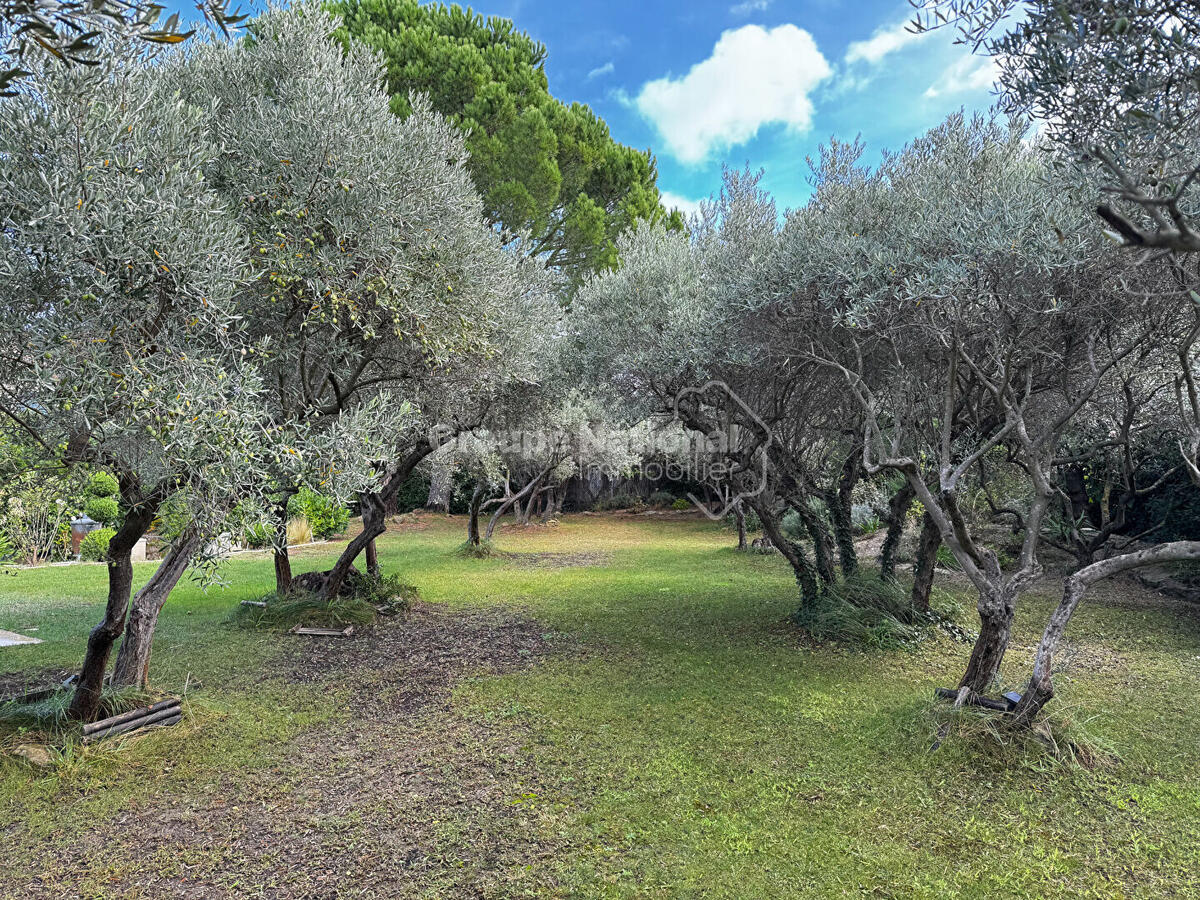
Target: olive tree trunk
[[85, 704], [473, 514], [283, 562], [898, 507], [739, 516], [132, 668], [1040, 689], [925, 563], [515, 499], [374, 516], [822, 543], [806, 575], [840, 506]]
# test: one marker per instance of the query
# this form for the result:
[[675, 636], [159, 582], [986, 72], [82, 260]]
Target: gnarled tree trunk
[[85, 703], [1040, 689], [132, 668], [806, 576], [822, 544], [283, 562], [373, 525], [898, 507], [473, 515], [996, 610], [374, 516], [925, 563], [515, 499], [739, 516], [840, 507]]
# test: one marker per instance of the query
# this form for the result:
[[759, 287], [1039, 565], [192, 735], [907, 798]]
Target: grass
[[684, 742]]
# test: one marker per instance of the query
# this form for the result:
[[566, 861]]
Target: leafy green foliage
[[35, 512], [660, 499], [681, 504], [104, 510], [101, 484], [413, 492], [94, 546], [543, 167], [325, 515], [258, 535]]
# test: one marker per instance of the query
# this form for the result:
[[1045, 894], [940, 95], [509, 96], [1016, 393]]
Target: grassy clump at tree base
[[1058, 737], [871, 612], [46, 721], [482, 550], [368, 599]]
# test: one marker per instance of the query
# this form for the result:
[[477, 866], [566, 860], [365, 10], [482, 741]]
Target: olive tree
[[968, 309], [370, 269], [1114, 84], [121, 340]]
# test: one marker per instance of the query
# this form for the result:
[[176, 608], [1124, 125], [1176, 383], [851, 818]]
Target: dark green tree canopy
[[542, 167]]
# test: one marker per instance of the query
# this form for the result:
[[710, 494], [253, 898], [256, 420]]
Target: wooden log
[[121, 718], [974, 700], [172, 712], [324, 632]]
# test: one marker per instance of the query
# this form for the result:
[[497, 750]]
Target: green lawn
[[673, 737]]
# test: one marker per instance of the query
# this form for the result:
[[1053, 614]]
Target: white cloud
[[754, 77], [885, 40], [968, 73], [683, 204], [747, 7], [606, 69]]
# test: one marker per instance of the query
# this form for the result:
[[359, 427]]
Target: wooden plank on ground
[[324, 632]]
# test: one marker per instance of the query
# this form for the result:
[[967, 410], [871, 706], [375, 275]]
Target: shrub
[[102, 509], [101, 484], [869, 526], [681, 504], [326, 516], [258, 535], [94, 545], [791, 525], [661, 499], [618, 501], [34, 517], [862, 514]]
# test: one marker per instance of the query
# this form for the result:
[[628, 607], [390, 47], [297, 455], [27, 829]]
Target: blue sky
[[763, 82]]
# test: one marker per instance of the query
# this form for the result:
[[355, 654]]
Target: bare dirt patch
[[17, 684], [407, 795]]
